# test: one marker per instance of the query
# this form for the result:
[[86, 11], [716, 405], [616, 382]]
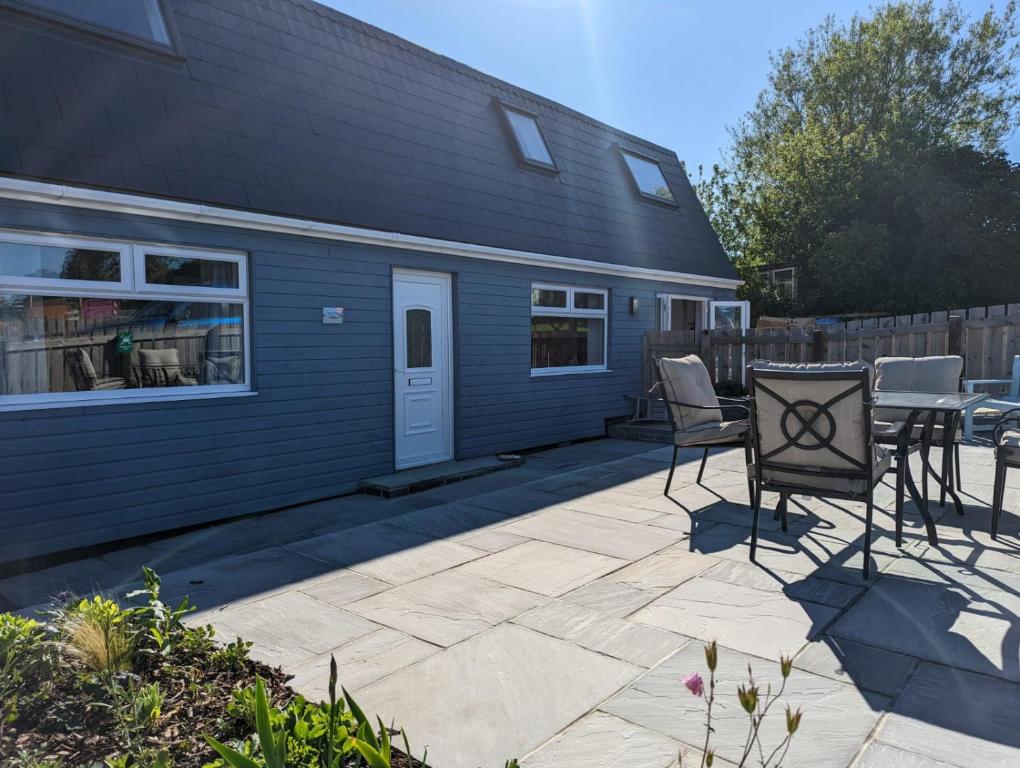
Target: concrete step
[[422, 478], [654, 432]]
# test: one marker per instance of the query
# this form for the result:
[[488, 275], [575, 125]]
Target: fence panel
[[986, 337]]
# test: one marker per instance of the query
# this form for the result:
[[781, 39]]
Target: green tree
[[873, 162]]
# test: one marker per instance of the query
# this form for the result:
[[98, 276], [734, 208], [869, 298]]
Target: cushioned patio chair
[[696, 413], [811, 433], [940, 374], [84, 375], [1007, 455], [996, 403]]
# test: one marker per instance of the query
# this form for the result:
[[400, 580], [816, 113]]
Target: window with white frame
[[568, 329], [86, 320], [785, 281]]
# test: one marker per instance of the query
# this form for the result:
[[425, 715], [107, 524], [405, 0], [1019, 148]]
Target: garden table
[[933, 405]]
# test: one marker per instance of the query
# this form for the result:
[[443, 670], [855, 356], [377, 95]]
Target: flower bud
[[709, 758], [785, 665], [792, 720], [711, 655], [748, 698]]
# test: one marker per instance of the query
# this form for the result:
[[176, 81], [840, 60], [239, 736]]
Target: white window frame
[[144, 286], [773, 279], [131, 286], [570, 311]]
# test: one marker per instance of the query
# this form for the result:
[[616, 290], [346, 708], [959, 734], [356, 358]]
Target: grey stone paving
[[548, 612]]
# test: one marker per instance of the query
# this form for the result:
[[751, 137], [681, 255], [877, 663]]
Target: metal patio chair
[[941, 374], [696, 413], [811, 433], [1006, 436]]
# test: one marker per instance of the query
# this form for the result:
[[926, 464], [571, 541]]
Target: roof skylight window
[[648, 178], [531, 144]]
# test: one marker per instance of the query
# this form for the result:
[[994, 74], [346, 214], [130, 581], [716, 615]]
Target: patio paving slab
[[794, 586], [344, 587], [611, 598], [242, 579], [547, 569], [490, 540], [288, 628], [593, 533], [837, 717], [878, 755], [447, 520], [387, 552], [955, 716], [872, 669], [939, 622], [616, 505], [766, 624], [603, 741], [359, 662], [507, 691], [446, 608], [663, 570], [625, 640]]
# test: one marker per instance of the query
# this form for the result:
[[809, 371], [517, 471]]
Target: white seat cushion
[[882, 460], [1008, 447], [717, 432]]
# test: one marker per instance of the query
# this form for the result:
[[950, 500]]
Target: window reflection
[[66, 344]]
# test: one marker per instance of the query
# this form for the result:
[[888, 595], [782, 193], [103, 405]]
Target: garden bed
[[100, 683]]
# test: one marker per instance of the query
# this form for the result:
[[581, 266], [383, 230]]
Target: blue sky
[[676, 72]]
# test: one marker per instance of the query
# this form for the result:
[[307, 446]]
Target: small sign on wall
[[332, 315]]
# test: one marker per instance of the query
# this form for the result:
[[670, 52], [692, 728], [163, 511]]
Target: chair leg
[[704, 460], [998, 493], [956, 460], [756, 505], [901, 477], [867, 537], [672, 469], [947, 474], [749, 460], [781, 509]]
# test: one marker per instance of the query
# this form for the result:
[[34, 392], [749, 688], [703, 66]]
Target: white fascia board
[[140, 205]]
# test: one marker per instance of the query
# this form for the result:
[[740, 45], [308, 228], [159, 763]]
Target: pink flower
[[694, 684]]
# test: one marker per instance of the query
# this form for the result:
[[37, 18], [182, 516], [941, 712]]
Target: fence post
[[818, 346], [955, 336]]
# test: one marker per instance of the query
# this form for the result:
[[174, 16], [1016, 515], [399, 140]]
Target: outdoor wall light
[[633, 305]]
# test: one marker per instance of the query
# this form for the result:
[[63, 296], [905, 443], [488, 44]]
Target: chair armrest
[[968, 384], [1006, 418]]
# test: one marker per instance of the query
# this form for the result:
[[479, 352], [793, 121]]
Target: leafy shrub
[[160, 623], [320, 735], [231, 656], [24, 663]]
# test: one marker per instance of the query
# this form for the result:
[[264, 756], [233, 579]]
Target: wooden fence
[[986, 337]]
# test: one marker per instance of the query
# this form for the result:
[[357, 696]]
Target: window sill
[[87, 402], [541, 373]]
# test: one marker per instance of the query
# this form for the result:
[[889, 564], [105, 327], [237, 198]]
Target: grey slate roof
[[289, 107]]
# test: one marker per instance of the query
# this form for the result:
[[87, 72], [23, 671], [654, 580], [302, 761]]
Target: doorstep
[[422, 478]]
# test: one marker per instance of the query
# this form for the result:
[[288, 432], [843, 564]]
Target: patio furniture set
[[833, 430]]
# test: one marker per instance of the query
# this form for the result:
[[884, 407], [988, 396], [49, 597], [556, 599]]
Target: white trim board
[[95, 199]]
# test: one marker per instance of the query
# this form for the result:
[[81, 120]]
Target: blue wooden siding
[[322, 418]]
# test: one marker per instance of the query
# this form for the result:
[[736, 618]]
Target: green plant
[[98, 633], [272, 740], [147, 705], [160, 623], [755, 702], [325, 735], [24, 663], [231, 656]]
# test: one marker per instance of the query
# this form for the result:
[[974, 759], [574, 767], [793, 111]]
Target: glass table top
[[927, 401]]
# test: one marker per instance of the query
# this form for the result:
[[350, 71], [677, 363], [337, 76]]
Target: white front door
[[422, 369], [731, 316]]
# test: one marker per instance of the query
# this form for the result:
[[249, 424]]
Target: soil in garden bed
[[68, 727]]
